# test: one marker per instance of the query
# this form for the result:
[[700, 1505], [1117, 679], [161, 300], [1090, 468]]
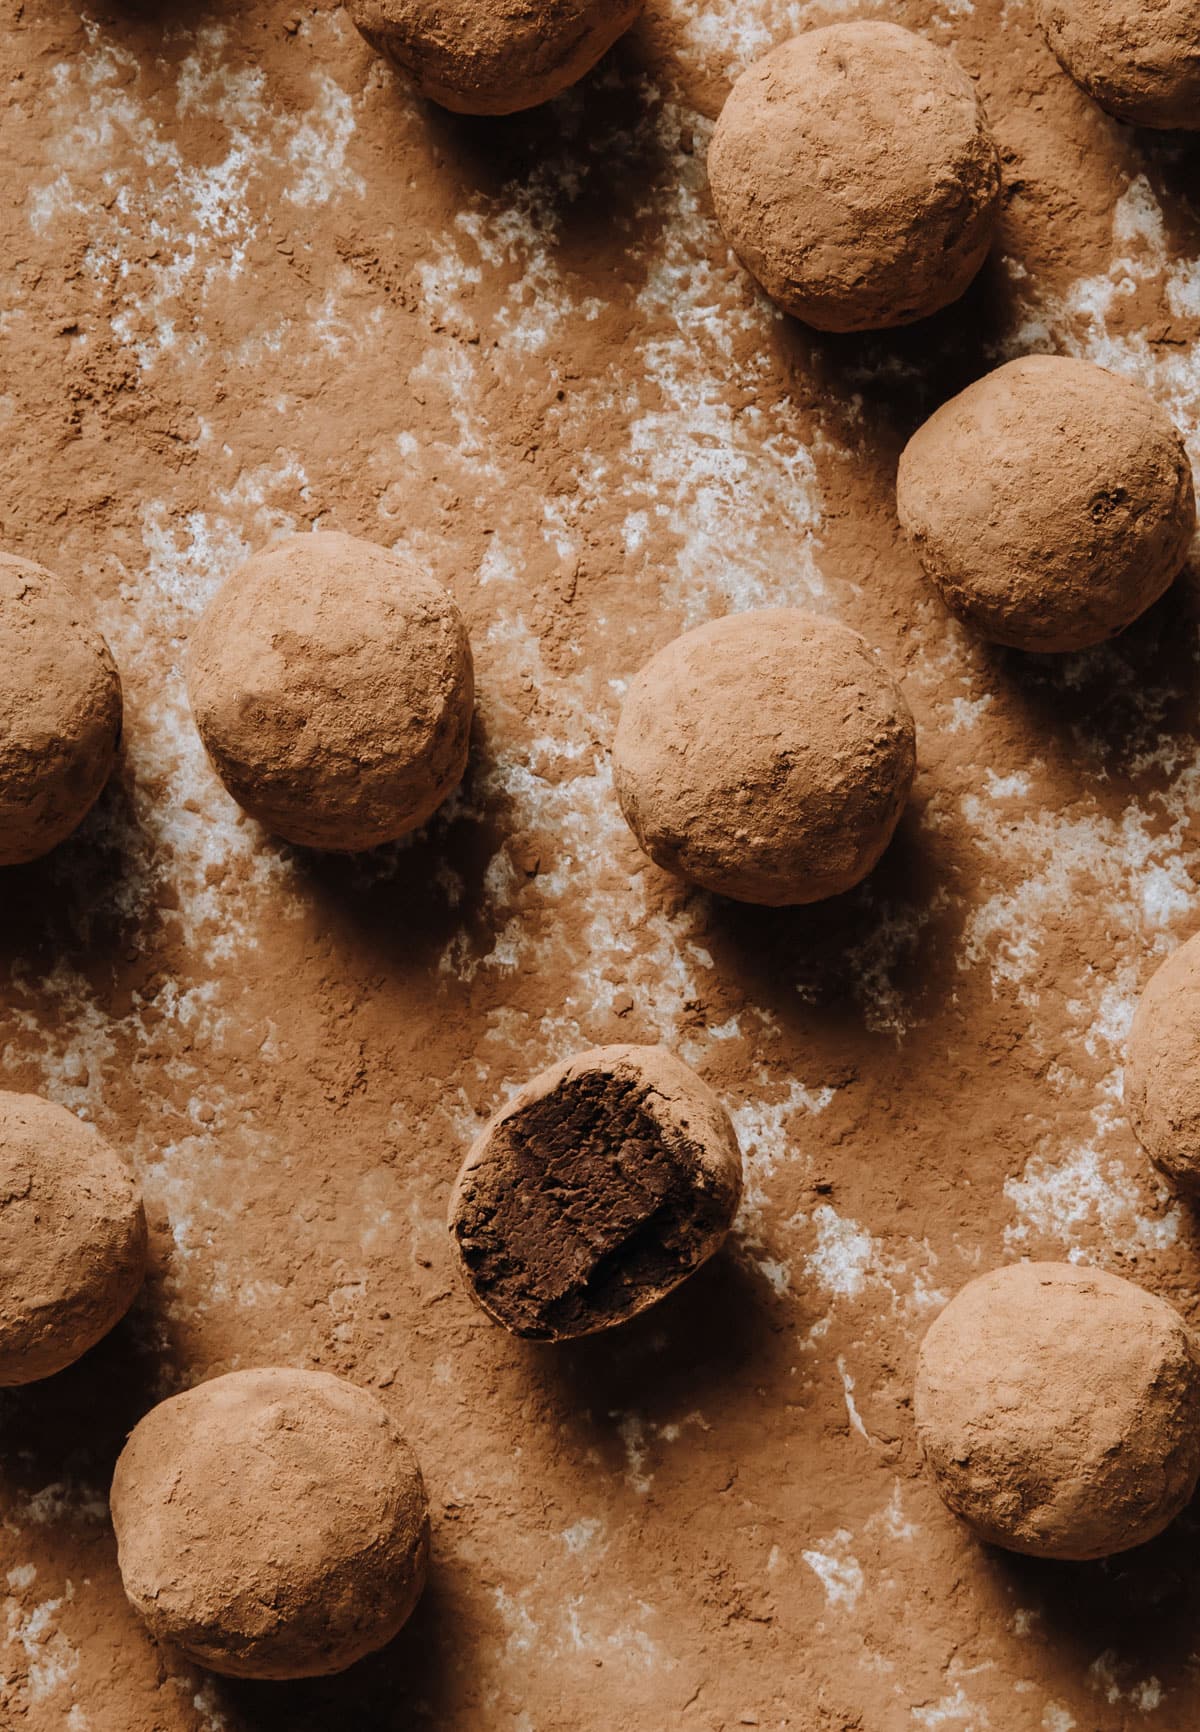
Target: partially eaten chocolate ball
[[600, 1186]]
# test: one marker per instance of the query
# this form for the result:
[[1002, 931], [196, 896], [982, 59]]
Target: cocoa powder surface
[[252, 285]]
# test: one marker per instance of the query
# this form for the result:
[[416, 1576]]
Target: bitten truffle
[[766, 756], [1058, 1408], [1162, 1068], [60, 711], [271, 1523], [854, 175], [72, 1238], [333, 688], [600, 1186], [494, 58], [1139, 59], [1050, 503]]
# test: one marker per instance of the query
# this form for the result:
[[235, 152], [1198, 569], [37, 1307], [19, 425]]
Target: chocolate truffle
[[599, 1187], [1139, 59], [271, 1523], [332, 685], [1058, 1408], [60, 710], [854, 175], [766, 756], [494, 58], [1162, 1068], [72, 1238], [1050, 503]]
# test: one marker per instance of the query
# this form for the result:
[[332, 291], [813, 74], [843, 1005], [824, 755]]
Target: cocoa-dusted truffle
[[1058, 1408], [599, 1187], [1050, 503], [60, 711], [332, 684], [494, 58], [1162, 1068], [766, 756], [1139, 59], [72, 1238], [271, 1523], [854, 175]]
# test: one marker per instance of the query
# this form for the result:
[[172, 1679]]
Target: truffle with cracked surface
[[1050, 503], [1162, 1068], [60, 711], [332, 684], [600, 1186], [271, 1523], [854, 175], [495, 58], [1058, 1408], [766, 756], [72, 1238], [1139, 59]]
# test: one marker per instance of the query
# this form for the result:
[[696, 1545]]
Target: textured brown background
[[249, 286]]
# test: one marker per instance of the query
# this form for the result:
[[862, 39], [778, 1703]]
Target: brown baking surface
[[250, 285]]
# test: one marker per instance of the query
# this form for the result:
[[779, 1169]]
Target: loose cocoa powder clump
[[855, 177], [72, 1238], [271, 1523], [498, 57], [1162, 1068], [1139, 59], [1058, 1407], [60, 711], [332, 684], [766, 756], [599, 1187], [1050, 502]]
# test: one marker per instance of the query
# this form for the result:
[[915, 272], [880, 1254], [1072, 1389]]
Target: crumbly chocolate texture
[[766, 756], [60, 711], [271, 1523], [72, 1238], [1058, 1407], [332, 684], [854, 174], [1050, 503], [497, 57], [601, 1185], [1139, 59], [1162, 1068]]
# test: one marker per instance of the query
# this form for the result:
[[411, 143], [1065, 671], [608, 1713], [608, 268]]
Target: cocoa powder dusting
[[253, 285]]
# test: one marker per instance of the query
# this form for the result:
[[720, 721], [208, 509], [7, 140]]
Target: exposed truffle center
[[585, 1203]]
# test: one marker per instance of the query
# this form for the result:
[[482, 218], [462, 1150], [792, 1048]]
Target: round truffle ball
[[600, 1186], [60, 711], [332, 684], [72, 1238], [271, 1523], [1050, 503], [1058, 1408], [854, 175], [1139, 59], [1162, 1068], [495, 58], [766, 756]]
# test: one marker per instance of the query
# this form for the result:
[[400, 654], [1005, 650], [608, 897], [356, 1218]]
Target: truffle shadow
[[1133, 1616], [885, 946], [721, 1329], [1109, 708]]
